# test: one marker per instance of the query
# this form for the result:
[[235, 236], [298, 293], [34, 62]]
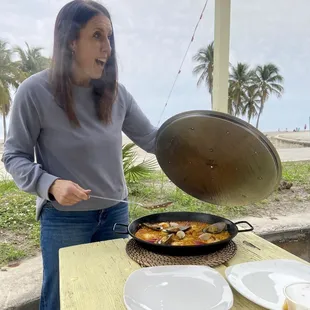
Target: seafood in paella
[[182, 233]]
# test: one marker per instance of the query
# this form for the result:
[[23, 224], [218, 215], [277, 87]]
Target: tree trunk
[[237, 105], [259, 114], [4, 126], [237, 111]]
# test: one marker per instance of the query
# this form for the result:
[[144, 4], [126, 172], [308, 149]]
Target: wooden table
[[92, 276]]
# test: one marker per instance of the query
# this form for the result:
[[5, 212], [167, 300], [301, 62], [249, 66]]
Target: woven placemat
[[146, 258]]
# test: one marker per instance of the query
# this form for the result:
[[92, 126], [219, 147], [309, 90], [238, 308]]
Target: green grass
[[17, 218], [17, 209], [151, 193], [9, 253], [17, 212], [296, 172], [157, 188]]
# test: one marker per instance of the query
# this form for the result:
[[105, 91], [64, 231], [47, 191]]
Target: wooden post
[[221, 55]]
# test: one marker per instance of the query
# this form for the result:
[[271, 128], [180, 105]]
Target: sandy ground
[[301, 135]]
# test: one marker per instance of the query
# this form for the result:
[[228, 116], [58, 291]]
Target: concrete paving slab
[[22, 284], [266, 225], [298, 136], [294, 154]]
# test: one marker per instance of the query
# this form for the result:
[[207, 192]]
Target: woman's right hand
[[68, 193]]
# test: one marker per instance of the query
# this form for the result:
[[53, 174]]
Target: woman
[[73, 114]]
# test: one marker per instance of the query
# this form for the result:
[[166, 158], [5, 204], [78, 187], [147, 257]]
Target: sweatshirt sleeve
[[18, 155], [137, 126]]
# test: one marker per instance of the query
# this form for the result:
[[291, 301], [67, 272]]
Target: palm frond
[[134, 171], [31, 60], [9, 78], [239, 79], [205, 59], [199, 69], [202, 78]]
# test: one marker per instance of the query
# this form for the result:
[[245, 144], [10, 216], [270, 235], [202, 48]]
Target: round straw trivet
[[146, 258]]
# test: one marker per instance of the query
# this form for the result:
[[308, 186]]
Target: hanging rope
[[180, 68], [181, 65]]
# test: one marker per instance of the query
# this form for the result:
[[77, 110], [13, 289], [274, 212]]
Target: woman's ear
[[73, 46]]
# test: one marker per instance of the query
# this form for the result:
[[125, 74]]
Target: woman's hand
[[68, 193]]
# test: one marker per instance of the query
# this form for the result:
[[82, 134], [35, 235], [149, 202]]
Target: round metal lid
[[218, 158]]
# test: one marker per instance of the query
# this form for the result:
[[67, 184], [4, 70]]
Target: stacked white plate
[[177, 288], [263, 282]]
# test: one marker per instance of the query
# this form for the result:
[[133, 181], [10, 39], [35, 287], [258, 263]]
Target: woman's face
[[92, 49]]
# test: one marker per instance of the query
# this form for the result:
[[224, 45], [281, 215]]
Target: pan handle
[[120, 232], [244, 230]]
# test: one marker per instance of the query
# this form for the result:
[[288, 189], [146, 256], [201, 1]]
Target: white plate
[[177, 287], [263, 282]]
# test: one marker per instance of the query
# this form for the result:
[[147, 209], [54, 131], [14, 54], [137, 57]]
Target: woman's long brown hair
[[71, 18]]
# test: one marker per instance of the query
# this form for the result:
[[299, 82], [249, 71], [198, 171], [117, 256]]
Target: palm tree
[[31, 60], [269, 81], [135, 171], [231, 103], [251, 101], [205, 59], [239, 80], [9, 77]]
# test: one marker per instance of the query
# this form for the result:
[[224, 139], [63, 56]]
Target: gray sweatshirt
[[90, 155]]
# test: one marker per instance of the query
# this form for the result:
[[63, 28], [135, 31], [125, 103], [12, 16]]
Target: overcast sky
[[152, 36]]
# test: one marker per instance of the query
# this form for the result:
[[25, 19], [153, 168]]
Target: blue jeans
[[65, 228]]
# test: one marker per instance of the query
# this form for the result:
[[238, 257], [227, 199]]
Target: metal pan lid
[[218, 158]]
